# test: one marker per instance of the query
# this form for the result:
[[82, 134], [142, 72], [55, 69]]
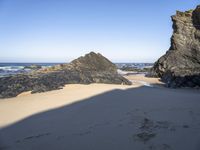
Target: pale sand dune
[[102, 117]]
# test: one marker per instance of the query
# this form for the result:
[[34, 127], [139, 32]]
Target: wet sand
[[140, 79]]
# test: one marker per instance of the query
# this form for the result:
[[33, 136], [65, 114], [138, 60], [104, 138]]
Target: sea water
[[7, 69]]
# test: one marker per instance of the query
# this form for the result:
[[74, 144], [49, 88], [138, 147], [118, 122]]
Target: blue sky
[[61, 30]]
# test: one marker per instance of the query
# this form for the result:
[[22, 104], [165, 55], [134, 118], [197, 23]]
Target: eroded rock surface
[[180, 66], [92, 68]]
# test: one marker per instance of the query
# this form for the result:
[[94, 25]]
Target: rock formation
[[180, 66], [92, 68], [33, 67]]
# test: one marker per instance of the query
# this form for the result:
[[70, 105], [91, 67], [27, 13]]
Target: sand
[[140, 79], [102, 116], [30, 104]]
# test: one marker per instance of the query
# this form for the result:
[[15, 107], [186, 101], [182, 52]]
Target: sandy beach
[[140, 79], [99, 75], [102, 116], [30, 104]]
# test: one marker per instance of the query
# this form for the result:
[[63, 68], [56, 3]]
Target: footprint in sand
[[160, 147], [33, 137]]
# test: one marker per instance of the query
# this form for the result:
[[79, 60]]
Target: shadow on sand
[[139, 118]]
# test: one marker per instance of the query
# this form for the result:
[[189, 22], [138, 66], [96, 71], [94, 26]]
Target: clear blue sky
[[61, 30]]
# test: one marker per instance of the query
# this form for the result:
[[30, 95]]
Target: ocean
[[7, 69]]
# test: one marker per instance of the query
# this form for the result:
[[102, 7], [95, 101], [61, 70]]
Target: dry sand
[[26, 104], [102, 116]]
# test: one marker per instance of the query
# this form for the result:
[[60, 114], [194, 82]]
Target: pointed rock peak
[[92, 53], [94, 62]]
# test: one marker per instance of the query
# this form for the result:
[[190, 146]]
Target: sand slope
[[106, 117], [26, 104]]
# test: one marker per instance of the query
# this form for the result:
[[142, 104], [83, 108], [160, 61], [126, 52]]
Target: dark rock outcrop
[[33, 67], [92, 68], [180, 66]]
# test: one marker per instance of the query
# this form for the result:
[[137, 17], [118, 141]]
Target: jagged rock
[[94, 62], [135, 69], [92, 68], [180, 66], [13, 85], [33, 67]]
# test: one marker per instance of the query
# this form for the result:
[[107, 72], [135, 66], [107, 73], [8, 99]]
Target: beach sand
[[140, 79], [102, 116]]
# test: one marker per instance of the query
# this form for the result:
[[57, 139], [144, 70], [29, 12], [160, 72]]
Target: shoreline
[[95, 114], [145, 81]]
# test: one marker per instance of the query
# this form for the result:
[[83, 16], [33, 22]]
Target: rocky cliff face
[[180, 66], [92, 68]]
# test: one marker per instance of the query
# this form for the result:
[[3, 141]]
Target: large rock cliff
[[180, 66], [92, 68]]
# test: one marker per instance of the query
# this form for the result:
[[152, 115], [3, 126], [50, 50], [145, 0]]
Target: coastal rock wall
[[180, 66], [92, 68]]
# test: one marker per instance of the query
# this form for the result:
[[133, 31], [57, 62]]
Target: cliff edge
[[180, 66]]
